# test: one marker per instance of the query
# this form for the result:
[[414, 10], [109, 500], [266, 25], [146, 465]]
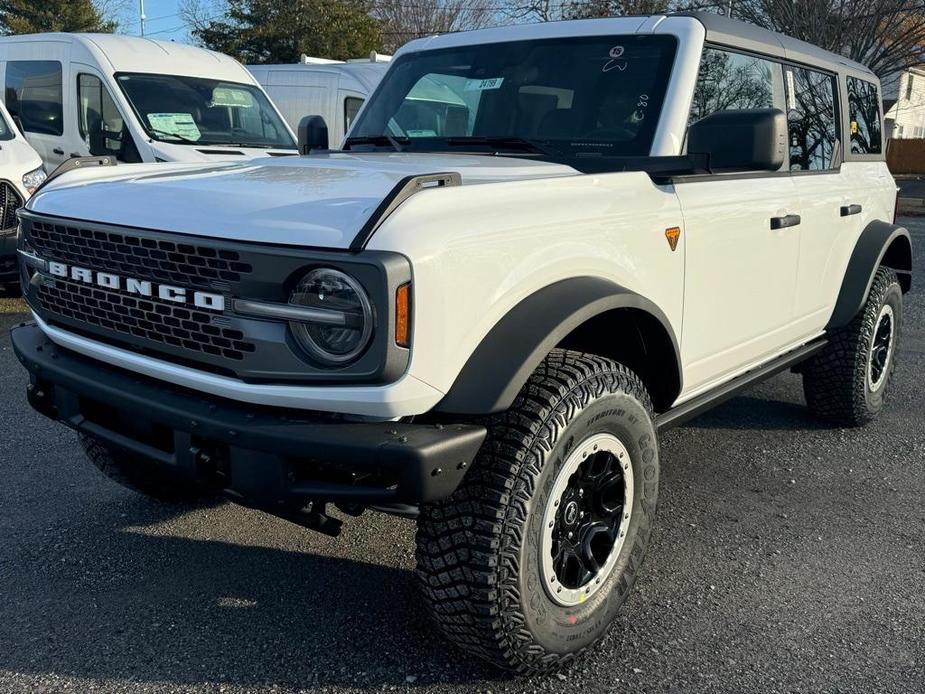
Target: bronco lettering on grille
[[130, 285]]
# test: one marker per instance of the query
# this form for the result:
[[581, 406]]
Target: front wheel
[[527, 564]]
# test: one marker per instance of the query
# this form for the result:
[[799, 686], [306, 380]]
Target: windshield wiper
[[252, 145], [182, 138], [505, 143], [396, 143]]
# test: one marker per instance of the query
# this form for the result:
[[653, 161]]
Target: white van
[[21, 173], [137, 99], [331, 89]]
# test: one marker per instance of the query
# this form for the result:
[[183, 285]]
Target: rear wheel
[[142, 476], [846, 382], [527, 564]]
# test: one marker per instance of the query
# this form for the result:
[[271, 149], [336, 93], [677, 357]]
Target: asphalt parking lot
[[789, 557]]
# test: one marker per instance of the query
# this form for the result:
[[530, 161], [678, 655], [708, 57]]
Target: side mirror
[[313, 134], [746, 140]]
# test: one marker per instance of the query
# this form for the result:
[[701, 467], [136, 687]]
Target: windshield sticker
[[226, 96], [483, 85], [180, 124], [616, 61], [421, 133]]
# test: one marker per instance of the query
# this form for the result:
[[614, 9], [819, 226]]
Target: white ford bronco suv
[[538, 247]]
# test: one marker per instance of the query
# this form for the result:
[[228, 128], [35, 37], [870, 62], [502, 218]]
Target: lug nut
[[437, 471]]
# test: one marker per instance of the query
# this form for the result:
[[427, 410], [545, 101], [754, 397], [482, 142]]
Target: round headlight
[[342, 323]]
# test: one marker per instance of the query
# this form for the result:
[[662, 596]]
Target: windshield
[[200, 111], [559, 98]]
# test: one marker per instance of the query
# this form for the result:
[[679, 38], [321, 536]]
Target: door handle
[[848, 210], [58, 150], [790, 220], [74, 155]]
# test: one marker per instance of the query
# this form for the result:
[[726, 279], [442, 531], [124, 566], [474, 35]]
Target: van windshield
[[560, 98], [200, 111]]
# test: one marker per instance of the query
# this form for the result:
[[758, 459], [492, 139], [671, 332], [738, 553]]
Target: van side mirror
[[313, 134], [746, 140]]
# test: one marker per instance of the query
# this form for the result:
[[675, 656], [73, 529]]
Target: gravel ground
[[788, 557]]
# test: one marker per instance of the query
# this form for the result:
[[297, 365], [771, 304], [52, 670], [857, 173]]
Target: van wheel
[[141, 476], [846, 382], [528, 562]]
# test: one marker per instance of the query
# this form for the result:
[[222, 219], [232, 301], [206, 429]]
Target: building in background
[[905, 118]]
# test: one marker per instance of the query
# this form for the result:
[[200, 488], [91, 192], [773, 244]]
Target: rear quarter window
[[864, 117]]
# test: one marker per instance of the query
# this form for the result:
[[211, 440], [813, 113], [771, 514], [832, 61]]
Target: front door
[[741, 273], [741, 237]]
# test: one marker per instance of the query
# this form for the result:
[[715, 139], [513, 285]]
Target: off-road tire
[[835, 381], [478, 551], [141, 476]]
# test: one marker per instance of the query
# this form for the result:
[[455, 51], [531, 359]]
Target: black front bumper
[[277, 460]]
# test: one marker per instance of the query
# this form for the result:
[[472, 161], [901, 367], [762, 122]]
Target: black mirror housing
[[745, 140], [313, 134]]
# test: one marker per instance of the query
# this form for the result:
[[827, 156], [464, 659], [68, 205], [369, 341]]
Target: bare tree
[[520, 11], [404, 20], [886, 35], [587, 9]]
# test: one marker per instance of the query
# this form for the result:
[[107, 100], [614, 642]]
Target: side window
[[352, 106], [864, 114], [98, 118], [811, 119], [732, 81], [34, 95]]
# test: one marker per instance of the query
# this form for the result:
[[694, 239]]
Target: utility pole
[[141, 11]]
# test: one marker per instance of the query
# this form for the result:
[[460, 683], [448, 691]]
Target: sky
[[163, 20]]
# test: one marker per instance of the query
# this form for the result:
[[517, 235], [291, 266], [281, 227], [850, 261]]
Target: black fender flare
[[869, 253], [504, 359]]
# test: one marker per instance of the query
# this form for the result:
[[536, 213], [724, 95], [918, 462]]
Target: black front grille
[[10, 201], [148, 319], [142, 257]]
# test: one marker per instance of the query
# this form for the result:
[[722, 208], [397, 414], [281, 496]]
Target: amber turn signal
[[673, 234], [403, 315]]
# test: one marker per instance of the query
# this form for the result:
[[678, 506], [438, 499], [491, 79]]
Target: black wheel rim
[[587, 517], [881, 348]]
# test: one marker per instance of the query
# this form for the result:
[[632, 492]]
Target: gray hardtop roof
[[731, 32]]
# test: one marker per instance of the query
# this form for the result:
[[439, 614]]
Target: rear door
[[741, 271], [831, 206]]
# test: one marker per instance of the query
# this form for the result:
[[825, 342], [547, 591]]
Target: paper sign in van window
[[180, 124], [227, 96], [483, 85]]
